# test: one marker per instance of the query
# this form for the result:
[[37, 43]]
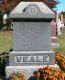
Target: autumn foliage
[[60, 60], [17, 76], [50, 73], [9, 5]]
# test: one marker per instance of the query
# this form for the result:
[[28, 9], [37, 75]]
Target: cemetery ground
[[61, 41], [5, 41], [6, 44]]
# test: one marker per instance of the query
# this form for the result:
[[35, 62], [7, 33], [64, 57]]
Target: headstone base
[[26, 58], [26, 70], [54, 45]]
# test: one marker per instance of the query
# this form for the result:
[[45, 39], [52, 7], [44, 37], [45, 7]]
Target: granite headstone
[[31, 37]]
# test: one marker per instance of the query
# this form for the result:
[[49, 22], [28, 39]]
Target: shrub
[[17, 76], [49, 73], [3, 61], [60, 60]]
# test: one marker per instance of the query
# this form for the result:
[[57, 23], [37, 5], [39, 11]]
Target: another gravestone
[[54, 39], [31, 38]]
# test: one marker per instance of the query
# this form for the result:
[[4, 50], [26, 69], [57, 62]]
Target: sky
[[61, 5]]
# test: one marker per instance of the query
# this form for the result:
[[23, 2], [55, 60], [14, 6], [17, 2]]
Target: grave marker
[[31, 37]]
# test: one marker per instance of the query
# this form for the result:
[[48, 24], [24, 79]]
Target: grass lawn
[[5, 41], [61, 41]]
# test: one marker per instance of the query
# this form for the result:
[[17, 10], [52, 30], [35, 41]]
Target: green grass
[[61, 41], [5, 41]]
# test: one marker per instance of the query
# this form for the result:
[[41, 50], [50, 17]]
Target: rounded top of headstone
[[32, 10]]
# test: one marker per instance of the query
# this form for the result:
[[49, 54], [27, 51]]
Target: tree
[[8, 5]]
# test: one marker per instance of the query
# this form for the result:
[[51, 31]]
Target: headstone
[[58, 22], [62, 20], [31, 38], [54, 39]]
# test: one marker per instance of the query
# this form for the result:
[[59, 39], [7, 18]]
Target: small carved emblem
[[32, 10]]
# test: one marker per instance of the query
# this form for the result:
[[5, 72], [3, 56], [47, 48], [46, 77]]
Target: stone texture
[[22, 11], [49, 59], [31, 36], [54, 45]]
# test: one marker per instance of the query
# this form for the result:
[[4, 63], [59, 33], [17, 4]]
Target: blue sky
[[61, 5]]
